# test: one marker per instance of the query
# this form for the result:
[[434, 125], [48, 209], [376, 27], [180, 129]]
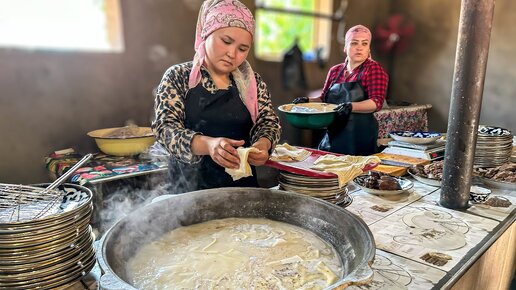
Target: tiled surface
[[394, 272], [372, 208], [422, 228], [496, 213]]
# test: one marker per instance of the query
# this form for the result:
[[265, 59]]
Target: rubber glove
[[344, 109], [300, 100]]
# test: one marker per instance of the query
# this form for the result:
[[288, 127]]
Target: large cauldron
[[347, 233]]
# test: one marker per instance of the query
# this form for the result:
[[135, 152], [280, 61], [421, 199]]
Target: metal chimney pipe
[[476, 18]]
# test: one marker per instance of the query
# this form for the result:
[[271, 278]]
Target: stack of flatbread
[[244, 170], [346, 167], [288, 153]]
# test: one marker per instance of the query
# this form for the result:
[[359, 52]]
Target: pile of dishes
[[324, 188], [513, 154], [494, 146], [48, 252]]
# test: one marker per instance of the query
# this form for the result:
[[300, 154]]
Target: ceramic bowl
[[478, 194], [415, 137]]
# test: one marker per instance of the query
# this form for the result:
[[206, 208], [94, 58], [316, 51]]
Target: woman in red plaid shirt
[[358, 86]]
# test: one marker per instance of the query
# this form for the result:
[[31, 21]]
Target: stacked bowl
[[494, 146], [50, 251]]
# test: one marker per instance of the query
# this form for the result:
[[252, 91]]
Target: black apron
[[360, 135], [222, 114]]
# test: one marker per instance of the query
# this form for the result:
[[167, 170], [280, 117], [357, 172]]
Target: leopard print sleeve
[[267, 123], [169, 122]]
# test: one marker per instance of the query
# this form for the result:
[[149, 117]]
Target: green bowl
[[309, 115]]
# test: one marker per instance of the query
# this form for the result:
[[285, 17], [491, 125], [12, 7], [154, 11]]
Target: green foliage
[[276, 32]]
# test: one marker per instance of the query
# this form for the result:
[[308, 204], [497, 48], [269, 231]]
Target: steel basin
[[349, 235]]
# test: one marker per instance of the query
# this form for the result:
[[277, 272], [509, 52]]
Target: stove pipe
[[476, 19]]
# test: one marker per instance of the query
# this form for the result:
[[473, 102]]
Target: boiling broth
[[236, 253]]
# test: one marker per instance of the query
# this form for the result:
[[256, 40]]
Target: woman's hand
[[259, 158], [223, 152]]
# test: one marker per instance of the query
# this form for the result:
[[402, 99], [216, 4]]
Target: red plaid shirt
[[374, 80]]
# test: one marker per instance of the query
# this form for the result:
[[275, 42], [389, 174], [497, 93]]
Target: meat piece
[[435, 169], [501, 175], [388, 184], [508, 167]]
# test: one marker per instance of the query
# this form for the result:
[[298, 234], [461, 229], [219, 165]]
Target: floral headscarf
[[214, 15]]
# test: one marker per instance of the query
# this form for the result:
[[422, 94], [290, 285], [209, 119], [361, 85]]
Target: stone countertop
[[411, 227]]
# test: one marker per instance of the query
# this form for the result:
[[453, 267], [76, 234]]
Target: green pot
[[310, 120]]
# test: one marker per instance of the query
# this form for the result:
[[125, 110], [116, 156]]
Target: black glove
[[300, 100], [344, 109]]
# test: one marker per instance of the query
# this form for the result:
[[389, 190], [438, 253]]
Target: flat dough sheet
[[346, 167], [288, 153], [244, 170]]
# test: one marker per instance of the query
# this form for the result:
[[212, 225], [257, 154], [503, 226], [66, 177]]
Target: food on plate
[[433, 170], [376, 180], [498, 201], [288, 153], [505, 172]]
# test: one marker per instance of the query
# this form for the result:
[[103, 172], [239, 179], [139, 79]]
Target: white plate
[[425, 180], [415, 137], [404, 183]]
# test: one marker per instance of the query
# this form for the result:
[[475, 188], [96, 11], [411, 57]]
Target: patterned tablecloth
[[101, 167], [402, 118]]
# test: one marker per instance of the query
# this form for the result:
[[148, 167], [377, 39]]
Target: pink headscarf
[[214, 15], [355, 31]]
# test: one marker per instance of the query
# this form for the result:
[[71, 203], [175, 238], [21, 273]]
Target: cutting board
[[397, 165], [391, 170]]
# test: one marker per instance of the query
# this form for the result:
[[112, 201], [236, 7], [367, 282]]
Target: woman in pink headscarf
[[359, 86], [208, 107]]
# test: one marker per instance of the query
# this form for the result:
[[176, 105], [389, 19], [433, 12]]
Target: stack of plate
[[513, 155], [494, 146], [51, 252], [324, 188]]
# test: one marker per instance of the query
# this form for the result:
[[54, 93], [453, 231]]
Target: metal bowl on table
[[348, 234], [309, 115]]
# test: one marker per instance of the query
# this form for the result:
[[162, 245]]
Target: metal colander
[[20, 203]]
